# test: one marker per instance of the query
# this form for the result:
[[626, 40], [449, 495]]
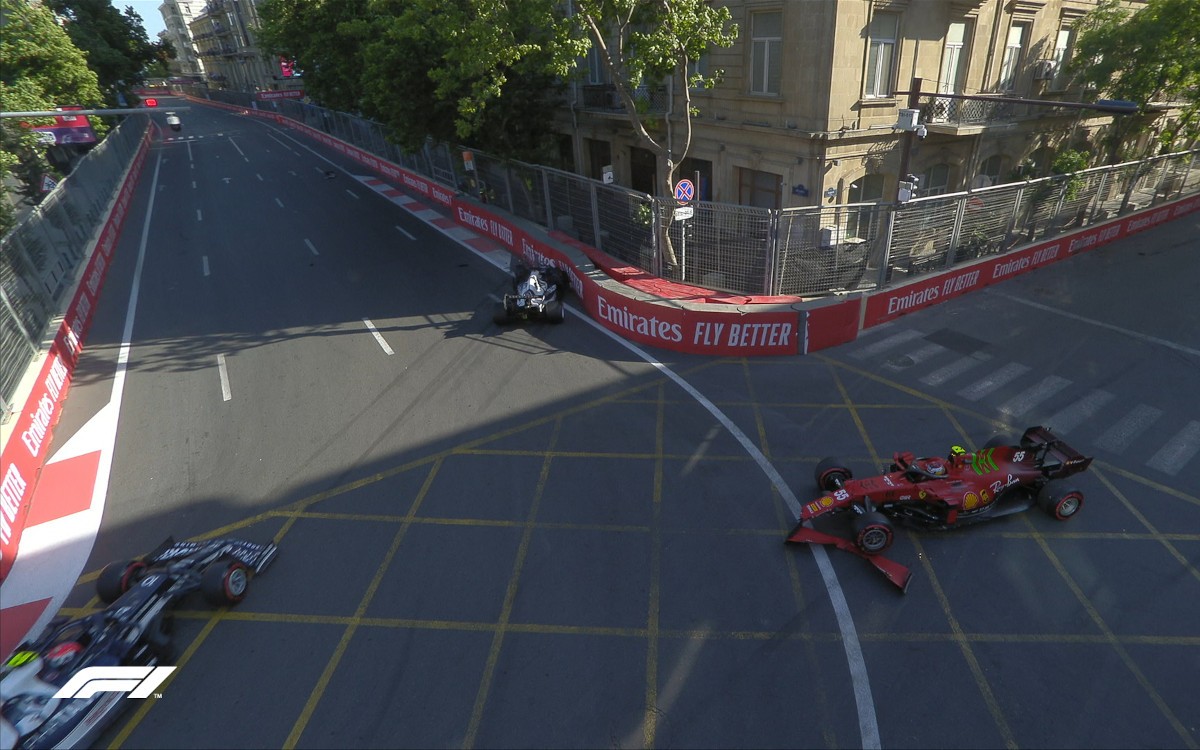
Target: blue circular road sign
[[684, 191]]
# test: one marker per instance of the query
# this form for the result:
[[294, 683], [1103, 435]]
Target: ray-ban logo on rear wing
[[139, 682]]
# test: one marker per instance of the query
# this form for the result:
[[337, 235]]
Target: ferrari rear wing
[[1056, 457]]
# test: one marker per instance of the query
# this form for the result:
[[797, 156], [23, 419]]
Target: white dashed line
[[890, 342], [224, 373], [260, 177], [1024, 401], [1180, 449], [198, 217], [998, 378], [406, 234], [204, 262], [378, 337], [1118, 437], [353, 194], [955, 368], [279, 202], [310, 246], [1077, 413]]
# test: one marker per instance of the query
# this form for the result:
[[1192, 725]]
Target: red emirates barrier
[[26, 452], [892, 303]]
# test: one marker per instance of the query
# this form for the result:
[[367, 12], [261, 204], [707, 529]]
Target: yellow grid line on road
[[1111, 637], [530, 628], [981, 681], [360, 612], [510, 595], [652, 710]]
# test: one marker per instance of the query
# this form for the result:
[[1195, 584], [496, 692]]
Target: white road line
[[260, 178], [1180, 449], [322, 171], [193, 163], [1101, 324], [279, 202], [1023, 402], [198, 218], [224, 373], [239, 150], [406, 234], [868, 724], [1077, 413], [955, 368], [378, 337], [193, 184], [890, 342], [310, 246], [204, 262], [998, 378], [1118, 437], [353, 194], [916, 357]]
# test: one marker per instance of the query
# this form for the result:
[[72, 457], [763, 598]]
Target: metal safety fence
[[41, 255], [810, 251]]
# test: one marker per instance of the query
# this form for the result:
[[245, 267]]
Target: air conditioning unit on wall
[[1043, 70]]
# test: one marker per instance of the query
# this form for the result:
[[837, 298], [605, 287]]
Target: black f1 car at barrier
[[537, 294], [64, 688], [938, 494]]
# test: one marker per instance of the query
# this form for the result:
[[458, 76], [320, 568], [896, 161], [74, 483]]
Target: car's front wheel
[[225, 582], [831, 474], [117, 578], [1059, 501], [873, 532]]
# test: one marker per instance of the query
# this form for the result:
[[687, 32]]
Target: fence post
[[12, 314], [959, 211], [885, 257], [508, 187], [1098, 200], [595, 215], [772, 260], [1161, 178], [546, 192]]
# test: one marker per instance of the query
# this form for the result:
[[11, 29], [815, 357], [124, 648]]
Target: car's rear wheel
[[225, 582], [1059, 501], [555, 312], [831, 474], [117, 578], [873, 532], [500, 315]]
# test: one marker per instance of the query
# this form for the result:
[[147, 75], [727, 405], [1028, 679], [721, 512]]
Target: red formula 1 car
[[943, 493]]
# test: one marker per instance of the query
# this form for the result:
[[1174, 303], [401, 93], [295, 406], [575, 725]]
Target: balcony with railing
[[970, 116], [602, 98]]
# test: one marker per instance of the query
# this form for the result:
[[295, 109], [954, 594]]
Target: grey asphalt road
[[532, 537]]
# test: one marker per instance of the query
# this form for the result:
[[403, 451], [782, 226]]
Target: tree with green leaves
[[115, 42], [648, 43], [326, 38], [1149, 56], [42, 69]]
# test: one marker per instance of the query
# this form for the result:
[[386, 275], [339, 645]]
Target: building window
[[989, 172], [860, 221], [699, 67], [936, 181], [595, 67], [1062, 52], [1017, 33], [759, 189], [881, 55], [950, 81], [766, 52]]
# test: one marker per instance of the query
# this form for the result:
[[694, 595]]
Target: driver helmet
[[63, 655], [533, 285], [936, 468]]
